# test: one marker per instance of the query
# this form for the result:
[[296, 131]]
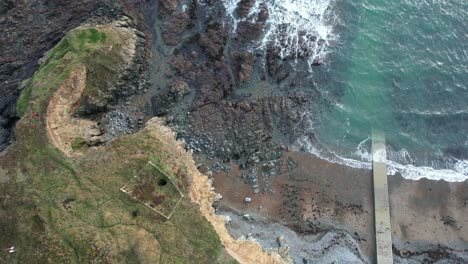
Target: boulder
[[173, 28], [178, 90], [94, 135], [243, 8]]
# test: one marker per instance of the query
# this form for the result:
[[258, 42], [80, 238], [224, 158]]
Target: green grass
[[146, 187], [23, 100], [99, 213], [79, 46], [91, 35], [78, 143]]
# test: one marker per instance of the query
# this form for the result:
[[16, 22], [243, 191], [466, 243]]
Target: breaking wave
[[458, 171], [295, 28]]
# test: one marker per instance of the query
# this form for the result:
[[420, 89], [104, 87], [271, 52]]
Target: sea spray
[[296, 29]]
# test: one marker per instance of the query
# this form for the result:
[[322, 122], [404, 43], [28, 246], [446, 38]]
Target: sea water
[[396, 66]]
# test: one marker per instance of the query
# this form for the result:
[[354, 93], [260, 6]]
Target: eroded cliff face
[[31, 28]]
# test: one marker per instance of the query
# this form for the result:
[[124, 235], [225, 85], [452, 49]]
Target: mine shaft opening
[[162, 182]]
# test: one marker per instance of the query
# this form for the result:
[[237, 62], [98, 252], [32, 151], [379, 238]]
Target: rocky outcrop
[[276, 67], [243, 8], [30, 29], [178, 90], [242, 63], [167, 7], [245, 131], [247, 31], [221, 119], [101, 60], [213, 40], [173, 28], [94, 135], [115, 75]]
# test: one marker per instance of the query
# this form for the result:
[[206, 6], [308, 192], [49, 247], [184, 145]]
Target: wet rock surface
[[235, 111]]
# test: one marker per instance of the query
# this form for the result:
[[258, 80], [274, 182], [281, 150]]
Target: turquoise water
[[400, 67]]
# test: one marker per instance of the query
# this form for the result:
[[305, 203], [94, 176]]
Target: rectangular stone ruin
[[155, 189]]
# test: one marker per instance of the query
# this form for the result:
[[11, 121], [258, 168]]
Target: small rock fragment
[[280, 241], [227, 219], [218, 197]]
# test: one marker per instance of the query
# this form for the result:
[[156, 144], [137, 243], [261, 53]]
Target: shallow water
[[402, 69]]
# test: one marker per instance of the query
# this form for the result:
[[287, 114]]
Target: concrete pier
[[383, 234]]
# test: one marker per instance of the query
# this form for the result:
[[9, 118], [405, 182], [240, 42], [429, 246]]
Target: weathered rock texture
[[235, 109]]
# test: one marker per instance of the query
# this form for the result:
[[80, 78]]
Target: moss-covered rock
[[109, 53]]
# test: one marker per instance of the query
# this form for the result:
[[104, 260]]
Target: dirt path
[[62, 128]]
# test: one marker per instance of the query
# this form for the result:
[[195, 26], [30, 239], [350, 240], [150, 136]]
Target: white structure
[[383, 234]]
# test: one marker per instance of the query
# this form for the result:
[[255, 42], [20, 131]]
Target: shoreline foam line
[[458, 172], [383, 235]]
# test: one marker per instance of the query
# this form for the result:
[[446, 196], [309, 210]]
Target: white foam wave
[[442, 112], [362, 152], [230, 6], [458, 171], [305, 144], [296, 28]]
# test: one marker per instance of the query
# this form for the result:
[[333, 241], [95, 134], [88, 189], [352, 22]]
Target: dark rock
[[173, 28], [181, 65], [277, 67], [179, 89], [228, 118], [167, 7], [243, 8], [317, 62], [245, 128], [248, 31], [214, 86], [263, 14], [213, 40], [6, 6], [243, 65]]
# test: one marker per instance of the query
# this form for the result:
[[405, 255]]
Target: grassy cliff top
[[102, 49], [55, 209]]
